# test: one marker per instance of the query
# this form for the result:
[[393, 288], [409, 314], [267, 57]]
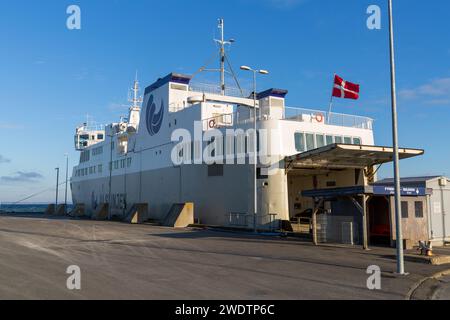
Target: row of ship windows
[[86, 154], [97, 151], [99, 169], [87, 171], [310, 141], [120, 164]]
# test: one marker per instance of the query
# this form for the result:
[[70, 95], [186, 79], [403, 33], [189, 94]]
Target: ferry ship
[[152, 158]]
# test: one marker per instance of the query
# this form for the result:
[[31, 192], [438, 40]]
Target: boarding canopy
[[346, 156]]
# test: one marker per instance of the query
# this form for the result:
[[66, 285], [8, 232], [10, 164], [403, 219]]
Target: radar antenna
[[136, 99], [223, 59]]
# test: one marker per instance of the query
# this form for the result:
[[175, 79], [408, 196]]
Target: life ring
[[212, 123], [319, 117]]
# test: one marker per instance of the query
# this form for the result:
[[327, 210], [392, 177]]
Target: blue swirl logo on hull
[[153, 119]]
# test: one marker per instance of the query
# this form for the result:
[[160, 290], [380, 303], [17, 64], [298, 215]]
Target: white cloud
[[10, 126], [21, 176], [4, 160], [436, 91]]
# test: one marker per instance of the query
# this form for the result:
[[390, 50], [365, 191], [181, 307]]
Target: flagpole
[[398, 218], [331, 100]]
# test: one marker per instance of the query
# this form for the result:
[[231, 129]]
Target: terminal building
[[366, 214]]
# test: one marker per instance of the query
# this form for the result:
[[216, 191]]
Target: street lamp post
[[57, 186], [398, 218], [255, 149], [67, 178], [111, 147]]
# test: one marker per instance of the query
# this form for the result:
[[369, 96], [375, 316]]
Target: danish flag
[[345, 89]]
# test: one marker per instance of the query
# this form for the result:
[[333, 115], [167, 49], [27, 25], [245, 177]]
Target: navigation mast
[[136, 100], [222, 57]]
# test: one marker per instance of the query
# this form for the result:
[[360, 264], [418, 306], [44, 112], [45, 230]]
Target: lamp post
[[67, 178], [57, 186], [255, 142], [111, 147], [398, 218]]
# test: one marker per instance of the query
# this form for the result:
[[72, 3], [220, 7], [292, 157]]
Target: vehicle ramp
[[101, 213], [180, 215], [137, 214], [50, 209], [78, 211], [60, 210]]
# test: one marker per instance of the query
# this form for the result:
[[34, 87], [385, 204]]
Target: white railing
[[333, 119], [215, 89], [296, 114]]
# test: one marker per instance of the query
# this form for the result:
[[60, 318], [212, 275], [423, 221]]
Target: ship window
[[178, 86], [116, 164], [309, 137], [338, 139], [129, 162], [331, 184], [100, 136], [418, 205], [320, 140], [357, 141], [329, 140], [405, 209], [100, 168], [215, 170], [299, 141], [347, 140]]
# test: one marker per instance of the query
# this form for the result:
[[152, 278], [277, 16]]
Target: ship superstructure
[[193, 142]]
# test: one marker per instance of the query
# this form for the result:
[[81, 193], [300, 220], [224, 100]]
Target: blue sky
[[51, 77]]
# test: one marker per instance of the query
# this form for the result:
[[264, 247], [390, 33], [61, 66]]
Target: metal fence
[[337, 229], [245, 220]]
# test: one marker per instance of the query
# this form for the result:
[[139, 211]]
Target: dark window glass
[[215, 170], [330, 140], [419, 209], [299, 141], [320, 140], [405, 213], [309, 141]]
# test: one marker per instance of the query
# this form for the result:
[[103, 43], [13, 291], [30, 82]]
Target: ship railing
[[332, 118], [291, 114], [91, 128], [216, 89]]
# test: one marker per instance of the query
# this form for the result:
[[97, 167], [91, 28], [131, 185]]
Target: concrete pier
[[123, 261]]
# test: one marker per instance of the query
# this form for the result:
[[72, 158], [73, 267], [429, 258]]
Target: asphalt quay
[[123, 261]]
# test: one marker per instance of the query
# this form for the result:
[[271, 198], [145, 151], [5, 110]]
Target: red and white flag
[[345, 89]]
